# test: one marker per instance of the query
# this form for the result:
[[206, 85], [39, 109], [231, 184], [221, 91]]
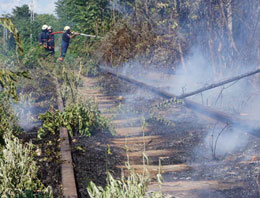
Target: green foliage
[[6, 116], [8, 83], [22, 12], [154, 116], [7, 23], [21, 19], [8, 80], [166, 103], [79, 119], [91, 17], [70, 79], [50, 20], [18, 171], [34, 55], [24, 31], [91, 67], [131, 187]]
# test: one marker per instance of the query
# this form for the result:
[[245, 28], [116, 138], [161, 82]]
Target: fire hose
[[81, 34]]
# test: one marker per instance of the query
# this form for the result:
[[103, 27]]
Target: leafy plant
[[166, 103], [7, 23], [86, 16], [79, 119], [162, 120], [8, 82], [18, 171], [132, 186], [6, 116]]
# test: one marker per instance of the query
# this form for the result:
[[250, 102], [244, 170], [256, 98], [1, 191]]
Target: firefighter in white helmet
[[67, 35], [51, 43], [43, 37]]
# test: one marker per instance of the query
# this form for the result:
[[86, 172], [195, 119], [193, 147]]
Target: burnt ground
[[92, 160], [36, 96], [175, 135], [48, 159], [188, 166]]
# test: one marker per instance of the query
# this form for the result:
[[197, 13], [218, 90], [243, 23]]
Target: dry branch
[[214, 85]]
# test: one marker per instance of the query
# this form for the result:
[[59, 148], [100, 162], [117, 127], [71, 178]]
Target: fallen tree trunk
[[236, 121], [214, 85]]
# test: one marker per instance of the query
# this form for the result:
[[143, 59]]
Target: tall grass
[[131, 186]]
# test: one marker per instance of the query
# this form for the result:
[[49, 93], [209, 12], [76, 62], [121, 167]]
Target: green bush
[[79, 119], [18, 171], [8, 83]]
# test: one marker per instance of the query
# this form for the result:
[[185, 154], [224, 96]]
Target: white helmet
[[49, 28], [44, 27], [66, 28]]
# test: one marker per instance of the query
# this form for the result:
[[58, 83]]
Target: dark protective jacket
[[65, 43], [66, 37], [43, 38], [51, 43]]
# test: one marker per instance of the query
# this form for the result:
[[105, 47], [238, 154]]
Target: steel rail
[[69, 189], [235, 121]]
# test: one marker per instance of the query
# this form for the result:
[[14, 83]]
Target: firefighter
[[51, 43], [43, 37], [67, 35]]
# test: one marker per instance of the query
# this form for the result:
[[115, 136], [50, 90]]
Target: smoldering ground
[[239, 98], [27, 115], [216, 146], [229, 143]]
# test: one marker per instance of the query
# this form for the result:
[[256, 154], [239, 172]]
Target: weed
[[167, 103], [132, 186], [79, 119], [214, 141], [18, 171]]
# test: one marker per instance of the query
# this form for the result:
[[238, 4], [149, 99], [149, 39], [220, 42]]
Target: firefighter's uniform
[[43, 37], [50, 42]]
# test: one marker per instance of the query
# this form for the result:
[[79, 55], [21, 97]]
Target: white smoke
[[26, 115], [236, 98]]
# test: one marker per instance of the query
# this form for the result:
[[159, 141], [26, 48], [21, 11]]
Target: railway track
[[67, 172], [130, 133]]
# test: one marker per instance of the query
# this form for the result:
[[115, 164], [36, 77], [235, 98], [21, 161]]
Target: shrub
[[79, 119], [18, 171]]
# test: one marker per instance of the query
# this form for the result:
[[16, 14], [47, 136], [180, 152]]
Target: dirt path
[[137, 138]]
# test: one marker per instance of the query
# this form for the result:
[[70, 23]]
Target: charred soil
[[182, 144]]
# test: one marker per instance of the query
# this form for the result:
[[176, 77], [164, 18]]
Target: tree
[[92, 17], [21, 19]]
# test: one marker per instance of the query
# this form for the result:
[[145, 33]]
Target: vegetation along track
[[171, 149], [67, 173]]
